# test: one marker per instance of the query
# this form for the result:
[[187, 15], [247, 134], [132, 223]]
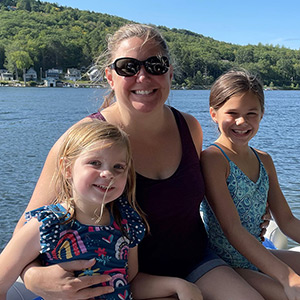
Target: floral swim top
[[73, 241], [250, 199]]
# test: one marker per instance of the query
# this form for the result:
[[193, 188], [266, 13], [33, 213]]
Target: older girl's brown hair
[[235, 82]]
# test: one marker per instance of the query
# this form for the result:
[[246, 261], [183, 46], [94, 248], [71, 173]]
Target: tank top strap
[[221, 151], [185, 135], [97, 115]]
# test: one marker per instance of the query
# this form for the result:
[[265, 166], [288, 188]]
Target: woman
[[166, 148]]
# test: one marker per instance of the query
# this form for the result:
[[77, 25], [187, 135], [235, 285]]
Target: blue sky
[[239, 22]]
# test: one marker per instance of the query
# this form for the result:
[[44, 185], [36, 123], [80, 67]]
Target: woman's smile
[[143, 92]]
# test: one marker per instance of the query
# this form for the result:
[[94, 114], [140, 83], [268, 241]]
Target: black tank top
[[177, 241]]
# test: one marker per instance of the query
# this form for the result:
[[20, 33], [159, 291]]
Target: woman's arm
[[57, 282], [144, 286], [266, 218], [215, 170]]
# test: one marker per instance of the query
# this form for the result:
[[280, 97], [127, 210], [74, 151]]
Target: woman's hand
[[266, 220], [58, 282]]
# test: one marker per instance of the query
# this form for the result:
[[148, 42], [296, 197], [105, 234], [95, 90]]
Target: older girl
[[239, 181]]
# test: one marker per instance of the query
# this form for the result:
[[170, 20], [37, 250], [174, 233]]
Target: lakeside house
[[30, 75], [50, 82], [5, 75], [53, 73], [52, 77], [73, 74]]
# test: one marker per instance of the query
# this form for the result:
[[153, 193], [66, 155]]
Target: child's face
[[97, 172], [238, 119]]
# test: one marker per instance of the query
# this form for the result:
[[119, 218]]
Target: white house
[[52, 76], [50, 82], [53, 73], [5, 75], [73, 74]]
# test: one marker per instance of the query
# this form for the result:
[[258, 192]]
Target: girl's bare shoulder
[[267, 161], [264, 157], [212, 156]]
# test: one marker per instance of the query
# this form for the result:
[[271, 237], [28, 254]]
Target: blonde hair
[[81, 138], [145, 32]]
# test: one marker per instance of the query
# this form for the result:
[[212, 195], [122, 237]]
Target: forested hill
[[45, 35]]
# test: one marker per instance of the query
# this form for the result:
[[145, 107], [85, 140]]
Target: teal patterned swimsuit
[[250, 199]]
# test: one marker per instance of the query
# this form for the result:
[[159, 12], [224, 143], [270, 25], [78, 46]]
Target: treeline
[[45, 35]]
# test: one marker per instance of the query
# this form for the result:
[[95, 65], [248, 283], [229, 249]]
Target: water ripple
[[32, 119]]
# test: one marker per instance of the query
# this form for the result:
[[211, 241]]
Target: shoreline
[[103, 86]]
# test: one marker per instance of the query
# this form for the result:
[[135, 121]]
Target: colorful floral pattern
[[72, 241]]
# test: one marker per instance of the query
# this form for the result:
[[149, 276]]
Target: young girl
[[95, 215], [240, 181]]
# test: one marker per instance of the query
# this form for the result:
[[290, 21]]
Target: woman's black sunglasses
[[154, 65]]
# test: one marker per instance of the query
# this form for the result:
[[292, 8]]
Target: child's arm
[[133, 266], [279, 207], [23, 248], [215, 169], [144, 286]]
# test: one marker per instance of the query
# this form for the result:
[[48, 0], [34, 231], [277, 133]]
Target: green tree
[[18, 60], [244, 55], [24, 4], [2, 56], [285, 67]]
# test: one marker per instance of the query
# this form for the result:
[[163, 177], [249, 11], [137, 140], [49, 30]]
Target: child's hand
[[188, 291]]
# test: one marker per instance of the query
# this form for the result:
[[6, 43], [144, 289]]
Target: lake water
[[31, 120]]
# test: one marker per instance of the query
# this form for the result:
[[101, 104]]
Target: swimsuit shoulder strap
[[256, 154], [221, 151]]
